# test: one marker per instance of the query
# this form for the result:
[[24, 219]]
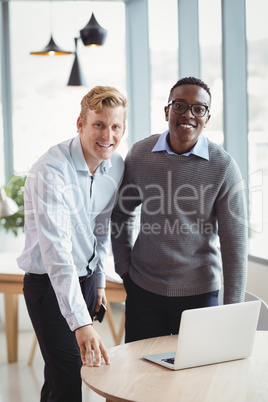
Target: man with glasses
[[191, 194]]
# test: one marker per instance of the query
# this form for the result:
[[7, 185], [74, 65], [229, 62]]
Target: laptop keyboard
[[170, 360]]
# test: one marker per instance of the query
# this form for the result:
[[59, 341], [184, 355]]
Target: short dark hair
[[190, 81]]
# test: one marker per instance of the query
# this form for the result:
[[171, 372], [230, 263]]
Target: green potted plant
[[15, 190]]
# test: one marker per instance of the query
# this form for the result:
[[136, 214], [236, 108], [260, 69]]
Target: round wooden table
[[130, 378]]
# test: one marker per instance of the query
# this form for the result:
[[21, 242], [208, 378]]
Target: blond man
[[69, 195]]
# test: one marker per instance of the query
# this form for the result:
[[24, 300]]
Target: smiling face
[[100, 134], [185, 128]]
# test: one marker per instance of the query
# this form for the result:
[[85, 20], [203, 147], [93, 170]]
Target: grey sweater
[[187, 205]]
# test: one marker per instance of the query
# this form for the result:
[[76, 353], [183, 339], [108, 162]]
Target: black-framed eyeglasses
[[182, 107]]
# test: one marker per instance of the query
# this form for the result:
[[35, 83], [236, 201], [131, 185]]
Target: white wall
[[258, 280]]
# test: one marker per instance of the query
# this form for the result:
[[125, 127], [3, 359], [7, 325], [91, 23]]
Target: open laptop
[[212, 335]]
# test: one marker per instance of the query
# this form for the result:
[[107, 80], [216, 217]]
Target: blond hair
[[100, 96]]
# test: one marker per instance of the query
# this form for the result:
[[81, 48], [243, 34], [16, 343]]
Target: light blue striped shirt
[[67, 213], [199, 149]]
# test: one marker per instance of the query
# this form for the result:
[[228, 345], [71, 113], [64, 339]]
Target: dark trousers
[[149, 315], [57, 342]]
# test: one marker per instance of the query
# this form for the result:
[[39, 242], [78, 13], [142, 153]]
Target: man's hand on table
[[91, 346]]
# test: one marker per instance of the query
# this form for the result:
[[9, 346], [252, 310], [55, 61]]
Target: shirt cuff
[[101, 280], [79, 319]]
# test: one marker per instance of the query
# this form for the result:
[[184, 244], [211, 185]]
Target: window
[[211, 68], [45, 110], [2, 166], [257, 37], [163, 42]]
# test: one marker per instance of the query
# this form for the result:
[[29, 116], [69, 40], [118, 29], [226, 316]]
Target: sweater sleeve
[[231, 212], [124, 219]]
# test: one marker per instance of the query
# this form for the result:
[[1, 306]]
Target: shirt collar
[[79, 160], [199, 149]]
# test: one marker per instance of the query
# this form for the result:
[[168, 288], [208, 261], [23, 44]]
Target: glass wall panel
[[2, 163], [45, 109], [210, 39], [163, 42], [257, 37]]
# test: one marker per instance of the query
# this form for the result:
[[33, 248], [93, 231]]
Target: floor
[[22, 383]]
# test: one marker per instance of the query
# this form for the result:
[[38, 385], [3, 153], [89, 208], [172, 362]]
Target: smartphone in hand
[[98, 315]]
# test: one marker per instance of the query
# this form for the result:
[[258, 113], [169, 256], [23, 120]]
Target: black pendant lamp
[[76, 77], [51, 49], [93, 34]]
